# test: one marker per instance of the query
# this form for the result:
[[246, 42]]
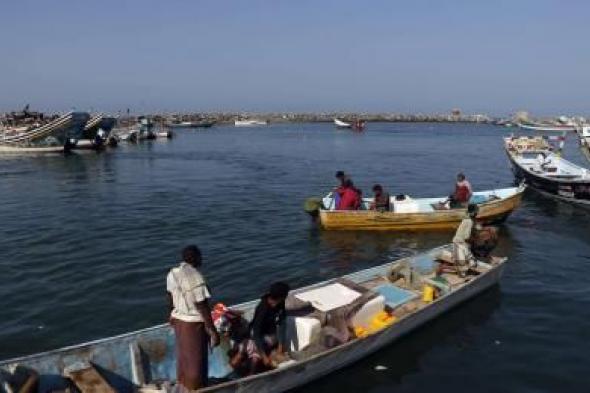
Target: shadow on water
[[405, 356]]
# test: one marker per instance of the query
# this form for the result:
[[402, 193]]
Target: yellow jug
[[428, 294]]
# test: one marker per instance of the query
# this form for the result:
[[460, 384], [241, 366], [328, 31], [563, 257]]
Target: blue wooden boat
[[144, 360]]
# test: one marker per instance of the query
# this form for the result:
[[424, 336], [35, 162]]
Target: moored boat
[[584, 138], [250, 123], [547, 127], [391, 302], [547, 172], [191, 124], [409, 214]]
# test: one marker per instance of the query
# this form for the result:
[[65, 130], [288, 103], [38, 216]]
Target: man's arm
[[170, 304], [258, 336], [205, 311]]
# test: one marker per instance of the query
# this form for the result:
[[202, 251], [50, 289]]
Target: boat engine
[[312, 206]]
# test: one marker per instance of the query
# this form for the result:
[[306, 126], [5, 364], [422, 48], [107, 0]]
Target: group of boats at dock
[[410, 292]]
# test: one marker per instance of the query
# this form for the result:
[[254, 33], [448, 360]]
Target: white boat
[[144, 360], [68, 126], [250, 123], [584, 138], [31, 150], [548, 127], [342, 124]]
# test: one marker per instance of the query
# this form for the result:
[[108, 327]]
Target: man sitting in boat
[[462, 256], [381, 199], [350, 198], [268, 327], [463, 192]]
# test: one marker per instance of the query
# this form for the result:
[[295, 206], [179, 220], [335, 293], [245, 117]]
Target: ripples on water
[[86, 241]]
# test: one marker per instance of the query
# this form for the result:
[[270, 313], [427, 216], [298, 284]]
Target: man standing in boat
[[462, 256], [190, 316]]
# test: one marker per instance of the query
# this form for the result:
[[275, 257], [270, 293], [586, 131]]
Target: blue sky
[[412, 56]]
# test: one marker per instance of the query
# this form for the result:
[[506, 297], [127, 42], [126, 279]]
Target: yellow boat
[[420, 214]]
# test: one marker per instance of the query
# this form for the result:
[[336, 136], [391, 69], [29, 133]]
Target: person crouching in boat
[[381, 199], [463, 192], [190, 317], [462, 256], [338, 191], [268, 327], [350, 198]]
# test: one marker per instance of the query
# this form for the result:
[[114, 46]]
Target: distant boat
[[191, 124], [584, 138], [342, 124], [250, 123], [547, 127]]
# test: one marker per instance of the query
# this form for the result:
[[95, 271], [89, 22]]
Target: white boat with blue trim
[[144, 360]]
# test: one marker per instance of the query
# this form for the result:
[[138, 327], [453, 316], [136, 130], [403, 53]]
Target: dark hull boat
[[548, 173]]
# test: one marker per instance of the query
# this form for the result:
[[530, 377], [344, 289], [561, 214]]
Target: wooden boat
[[420, 214], [55, 132], [135, 361], [547, 172], [32, 150], [342, 124], [250, 123]]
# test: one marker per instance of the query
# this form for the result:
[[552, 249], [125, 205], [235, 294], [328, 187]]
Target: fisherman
[[268, 327], [350, 199], [463, 192], [190, 316], [338, 191], [462, 256], [381, 199]]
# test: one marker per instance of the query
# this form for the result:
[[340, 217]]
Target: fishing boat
[[41, 134], [191, 124], [390, 300], [342, 124], [250, 123], [96, 134], [544, 170], [547, 127], [409, 214], [584, 139]]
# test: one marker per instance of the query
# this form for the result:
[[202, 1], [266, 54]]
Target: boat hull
[[129, 360], [543, 128], [353, 351], [361, 220], [564, 190]]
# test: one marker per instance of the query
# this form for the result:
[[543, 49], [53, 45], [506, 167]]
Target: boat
[[96, 134], [397, 298], [191, 124], [547, 127], [584, 139], [409, 214], [342, 124], [544, 170], [250, 123]]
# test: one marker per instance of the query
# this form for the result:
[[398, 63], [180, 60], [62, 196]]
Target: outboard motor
[[312, 207]]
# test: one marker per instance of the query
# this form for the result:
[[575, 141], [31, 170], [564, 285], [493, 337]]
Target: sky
[[494, 57]]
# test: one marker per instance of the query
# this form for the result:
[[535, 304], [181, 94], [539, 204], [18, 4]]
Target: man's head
[[377, 189], [472, 210], [461, 176], [192, 255], [340, 175], [278, 293]]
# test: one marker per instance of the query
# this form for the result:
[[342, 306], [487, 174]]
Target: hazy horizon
[[419, 57]]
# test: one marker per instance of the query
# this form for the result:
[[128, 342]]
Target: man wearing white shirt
[[190, 316]]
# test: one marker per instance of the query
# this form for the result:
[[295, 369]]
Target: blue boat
[[144, 360]]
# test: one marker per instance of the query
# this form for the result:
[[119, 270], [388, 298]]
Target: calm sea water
[[86, 241]]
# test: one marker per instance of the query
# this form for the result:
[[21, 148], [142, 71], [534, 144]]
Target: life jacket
[[350, 200]]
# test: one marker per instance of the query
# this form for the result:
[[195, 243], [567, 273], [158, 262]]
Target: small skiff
[[250, 123], [342, 124], [547, 172], [548, 127], [144, 360], [421, 213]]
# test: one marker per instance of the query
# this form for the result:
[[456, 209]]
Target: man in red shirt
[[350, 198], [462, 194]]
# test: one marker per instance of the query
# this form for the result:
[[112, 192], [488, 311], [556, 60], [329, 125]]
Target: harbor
[[109, 219]]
